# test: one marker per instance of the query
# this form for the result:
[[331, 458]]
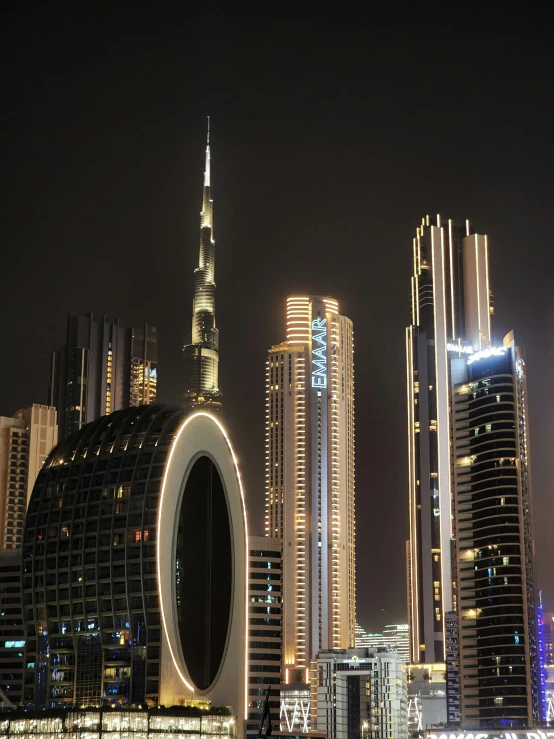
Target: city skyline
[[301, 252]]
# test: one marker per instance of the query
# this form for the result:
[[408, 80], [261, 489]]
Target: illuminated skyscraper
[[25, 441], [451, 315], [102, 368], [498, 599], [310, 479], [471, 585], [201, 356]]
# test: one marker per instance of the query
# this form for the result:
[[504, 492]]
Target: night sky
[[331, 137]]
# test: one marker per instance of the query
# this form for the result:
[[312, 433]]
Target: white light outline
[[414, 600], [451, 278], [183, 426], [440, 465], [488, 287], [478, 291]]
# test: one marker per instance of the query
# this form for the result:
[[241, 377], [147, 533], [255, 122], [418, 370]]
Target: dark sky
[[332, 137]]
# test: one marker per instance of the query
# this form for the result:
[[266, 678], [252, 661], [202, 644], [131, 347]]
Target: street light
[[365, 726]]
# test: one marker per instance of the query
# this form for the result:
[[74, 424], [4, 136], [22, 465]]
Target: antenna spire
[[207, 169]]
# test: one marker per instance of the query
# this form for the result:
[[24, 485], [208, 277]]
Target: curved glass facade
[[90, 591], [496, 588]]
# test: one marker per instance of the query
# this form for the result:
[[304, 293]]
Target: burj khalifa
[[201, 356]]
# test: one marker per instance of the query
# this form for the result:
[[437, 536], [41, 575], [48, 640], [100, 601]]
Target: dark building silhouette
[[497, 591], [12, 634], [101, 368]]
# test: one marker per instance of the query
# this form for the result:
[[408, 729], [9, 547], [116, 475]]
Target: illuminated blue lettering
[[319, 353]]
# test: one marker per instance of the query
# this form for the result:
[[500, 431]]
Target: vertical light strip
[[446, 374], [478, 288], [489, 338], [452, 300], [445, 548], [418, 272], [412, 490], [414, 283], [82, 386], [447, 431]]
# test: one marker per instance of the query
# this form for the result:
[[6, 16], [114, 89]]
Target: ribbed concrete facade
[[310, 478]]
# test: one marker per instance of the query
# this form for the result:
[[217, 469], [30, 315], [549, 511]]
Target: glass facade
[[264, 592], [90, 591], [497, 598], [117, 724], [103, 367], [12, 637]]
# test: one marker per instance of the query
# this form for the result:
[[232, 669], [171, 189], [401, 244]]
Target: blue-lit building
[[134, 566], [12, 635]]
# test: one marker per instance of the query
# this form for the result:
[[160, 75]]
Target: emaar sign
[[319, 352]]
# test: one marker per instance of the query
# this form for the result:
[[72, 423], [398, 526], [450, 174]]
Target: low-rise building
[[359, 694], [264, 629], [111, 723], [427, 705]]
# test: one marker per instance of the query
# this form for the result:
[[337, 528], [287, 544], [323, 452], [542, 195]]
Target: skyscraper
[[201, 356], [102, 367], [310, 479], [451, 314], [497, 603], [473, 600], [25, 441]]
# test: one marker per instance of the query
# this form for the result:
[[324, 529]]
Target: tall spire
[[207, 168], [202, 354]]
